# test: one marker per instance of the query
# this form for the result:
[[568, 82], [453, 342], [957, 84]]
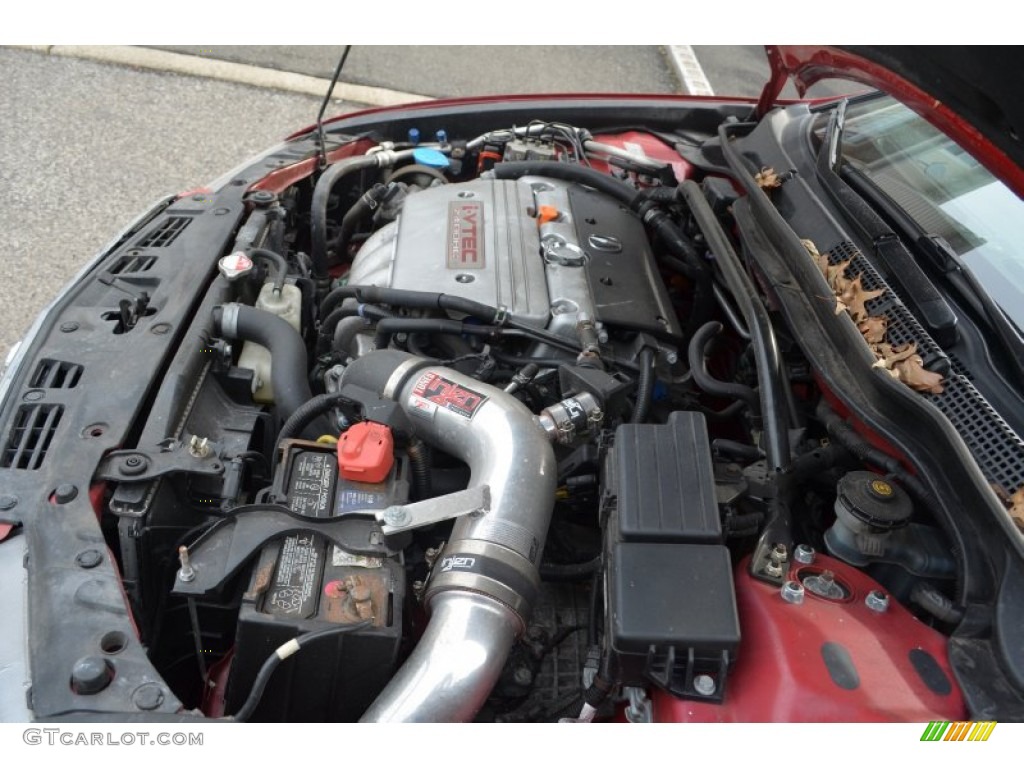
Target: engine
[[491, 440], [551, 254]]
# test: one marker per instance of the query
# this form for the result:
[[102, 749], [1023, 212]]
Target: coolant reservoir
[[288, 305]]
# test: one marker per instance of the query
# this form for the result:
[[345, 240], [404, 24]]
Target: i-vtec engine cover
[[474, 239], [547, 251]]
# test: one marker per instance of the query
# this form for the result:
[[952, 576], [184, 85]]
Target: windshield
[[945, 190]]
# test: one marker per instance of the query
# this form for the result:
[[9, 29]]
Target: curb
[[214, 69], [689, 71]]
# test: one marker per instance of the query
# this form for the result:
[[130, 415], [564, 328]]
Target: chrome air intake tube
[[484, 584]]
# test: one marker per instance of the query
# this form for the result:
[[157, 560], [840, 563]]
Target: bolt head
[[88, 558], [64, 493], [133, 465], [396, 516], [148, 696], [523, 676], [90, 675], [804, 554], [877, 601], [704, 685], [792, 592], [69, 327]]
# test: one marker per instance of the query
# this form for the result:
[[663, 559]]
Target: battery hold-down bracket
[[221, 552]]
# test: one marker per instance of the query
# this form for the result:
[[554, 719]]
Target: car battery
[[306, 582]]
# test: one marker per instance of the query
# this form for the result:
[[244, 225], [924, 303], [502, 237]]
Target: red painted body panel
[[525, 97], [648, 145], [807, 64], [780, 674]]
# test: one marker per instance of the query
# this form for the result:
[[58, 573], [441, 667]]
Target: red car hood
[[973, 94]]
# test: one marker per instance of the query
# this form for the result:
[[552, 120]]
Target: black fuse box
[[305, 583], [672, 617], [664, 481]]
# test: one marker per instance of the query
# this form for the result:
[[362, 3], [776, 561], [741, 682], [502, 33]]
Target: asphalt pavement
[[85, 146]]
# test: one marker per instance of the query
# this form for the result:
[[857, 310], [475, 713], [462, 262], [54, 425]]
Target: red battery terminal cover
[[366, 452]]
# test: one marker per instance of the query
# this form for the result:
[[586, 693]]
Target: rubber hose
[[330, 324], [746, 522], [345, 332], [602, 182], [570, 571], [711, 385], [847, 437], [287, 351], [279, 262], [389, 326], [365, 205], [935, 603], [644, 386], [737, 450], [398, 297], [419, 460], [318, 210], [309, 413]]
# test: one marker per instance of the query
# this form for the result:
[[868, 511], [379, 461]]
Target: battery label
[[445, 393], [311, 483], [341, 558], [352, 499], [295, 588]]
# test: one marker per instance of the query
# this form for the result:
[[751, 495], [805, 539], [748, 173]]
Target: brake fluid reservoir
[[288, 305]]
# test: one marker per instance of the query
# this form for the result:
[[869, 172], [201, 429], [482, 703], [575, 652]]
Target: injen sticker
[[446, 394]]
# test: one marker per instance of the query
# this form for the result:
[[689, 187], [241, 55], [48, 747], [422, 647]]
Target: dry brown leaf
[[1017, 507], [1014, 504], [819, 259], [856, 295], [891, 355], [836, 276], [873, 329], [841, 306], [767, 178], [913, 373]]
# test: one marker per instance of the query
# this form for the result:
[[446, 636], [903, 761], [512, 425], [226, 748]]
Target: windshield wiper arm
[[849, 192], [944, 259]]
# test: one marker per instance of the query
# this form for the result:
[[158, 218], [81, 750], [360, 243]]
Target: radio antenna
[[323, 107]]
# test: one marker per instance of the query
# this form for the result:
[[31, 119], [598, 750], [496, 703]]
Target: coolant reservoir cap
[[874, 500], [429, 157], [366, 452]]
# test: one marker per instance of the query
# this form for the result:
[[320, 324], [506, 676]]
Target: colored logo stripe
[[958, 731]]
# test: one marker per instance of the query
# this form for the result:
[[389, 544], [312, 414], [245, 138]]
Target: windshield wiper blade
[[849, 191]]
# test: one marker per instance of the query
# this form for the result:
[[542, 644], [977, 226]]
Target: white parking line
[[246, 74], [688, 69]]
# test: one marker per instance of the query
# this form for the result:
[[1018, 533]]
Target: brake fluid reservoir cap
[[874, 500], [429, 157], [366, 452]]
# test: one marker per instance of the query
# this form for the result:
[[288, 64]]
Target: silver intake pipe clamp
[[484, 584]]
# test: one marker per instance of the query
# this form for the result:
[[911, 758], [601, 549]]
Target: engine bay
[[507, 424]]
